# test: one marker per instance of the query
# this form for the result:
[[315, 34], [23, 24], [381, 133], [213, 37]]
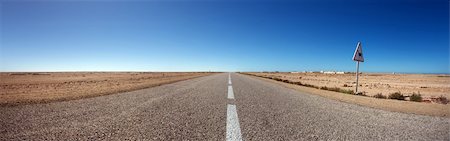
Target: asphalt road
[[204, 109]]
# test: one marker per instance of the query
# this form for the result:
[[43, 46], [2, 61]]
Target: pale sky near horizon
[[409, 36]]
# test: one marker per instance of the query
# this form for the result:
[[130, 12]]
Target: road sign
[[358, 56]]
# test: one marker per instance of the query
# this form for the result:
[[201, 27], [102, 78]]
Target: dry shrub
[[416, 97], [396, 95], [336, 89], [379, 95], [361, 93], [442, 100]]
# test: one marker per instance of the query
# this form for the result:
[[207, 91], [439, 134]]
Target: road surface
[[215, 107]]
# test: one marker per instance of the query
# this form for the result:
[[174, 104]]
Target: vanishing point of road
[[226, 106]]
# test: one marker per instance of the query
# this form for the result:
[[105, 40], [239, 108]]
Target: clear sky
[[397, 36]]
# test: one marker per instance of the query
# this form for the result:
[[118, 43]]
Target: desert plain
[[428, 85], [42, 87]]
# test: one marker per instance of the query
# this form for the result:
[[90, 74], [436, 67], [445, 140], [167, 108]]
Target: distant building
[[332, 72], [329, 72], [324, 72]]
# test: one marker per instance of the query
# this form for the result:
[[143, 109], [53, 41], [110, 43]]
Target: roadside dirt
[[420, 108], [27, 88], [428, 85]]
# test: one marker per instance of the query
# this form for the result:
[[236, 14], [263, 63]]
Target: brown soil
[[428, 85], [26, 88], [440, 110]]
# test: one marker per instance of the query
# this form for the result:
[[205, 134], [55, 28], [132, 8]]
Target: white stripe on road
[[233, 129], [229, 79], [230, 92]]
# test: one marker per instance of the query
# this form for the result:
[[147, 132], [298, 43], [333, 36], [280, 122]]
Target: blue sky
[[397, 36]]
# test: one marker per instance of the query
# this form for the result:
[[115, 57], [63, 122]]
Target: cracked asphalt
[[196, 109]]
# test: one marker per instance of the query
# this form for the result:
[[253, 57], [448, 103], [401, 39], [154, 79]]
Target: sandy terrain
[[427, 85], [441, 110], [23, 88], [197, 109]]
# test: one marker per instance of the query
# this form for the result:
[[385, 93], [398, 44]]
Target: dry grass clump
[[379, 95], [442, 100], [336, 89], [416, 97], [361, 93], [397, 96]]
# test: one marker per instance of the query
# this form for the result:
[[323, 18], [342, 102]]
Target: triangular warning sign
[[358, 56]]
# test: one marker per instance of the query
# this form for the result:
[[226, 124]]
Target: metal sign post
[[358, 57], [357, 74]]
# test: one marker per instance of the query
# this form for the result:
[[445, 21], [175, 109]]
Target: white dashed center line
[[229, 79], [230, 92], [230, 88], [233, 129]]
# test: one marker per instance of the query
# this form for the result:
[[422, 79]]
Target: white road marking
[[233, 128], [230, 92]]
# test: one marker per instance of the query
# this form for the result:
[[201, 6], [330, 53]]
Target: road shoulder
[[383, 104], [37, 88]]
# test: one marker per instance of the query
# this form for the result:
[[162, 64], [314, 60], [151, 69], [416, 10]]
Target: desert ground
[[224, 106], [428, 85], [23, 88]]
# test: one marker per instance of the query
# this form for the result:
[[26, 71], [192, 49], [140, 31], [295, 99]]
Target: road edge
[[13, 104], [427, 109]]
